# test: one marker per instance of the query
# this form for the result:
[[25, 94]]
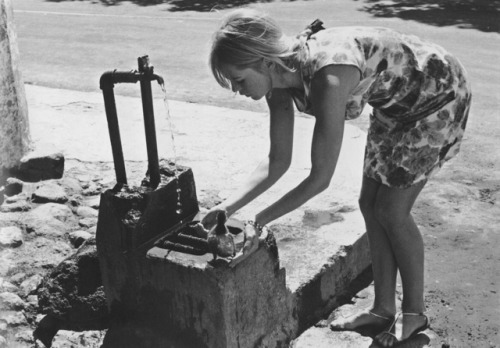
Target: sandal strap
[[415, 314], [379, 316]]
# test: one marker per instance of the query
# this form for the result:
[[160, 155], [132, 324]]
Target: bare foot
[[412, 324], [367, 323]]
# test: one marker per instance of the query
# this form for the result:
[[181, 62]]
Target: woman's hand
[[210, 218], [250, 245]]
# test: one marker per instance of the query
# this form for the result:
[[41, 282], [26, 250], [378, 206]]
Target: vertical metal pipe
[[149, 120], [114, 134]]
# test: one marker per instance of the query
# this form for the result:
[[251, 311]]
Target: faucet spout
[[158, 78]]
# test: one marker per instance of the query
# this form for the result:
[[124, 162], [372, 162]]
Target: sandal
[[390, 331], [369, 330], [419, 329]]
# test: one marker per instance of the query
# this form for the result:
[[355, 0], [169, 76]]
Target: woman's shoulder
[[332, 46]]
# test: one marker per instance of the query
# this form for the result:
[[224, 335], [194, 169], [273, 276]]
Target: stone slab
[[321, 245]]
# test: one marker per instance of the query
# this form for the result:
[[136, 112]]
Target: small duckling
[[220, 240]]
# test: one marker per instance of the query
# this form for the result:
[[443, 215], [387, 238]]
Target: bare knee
[[392, 219]]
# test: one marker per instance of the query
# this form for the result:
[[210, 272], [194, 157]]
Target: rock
[[54, 210], [11, 301], [13, 318], [72, 296], [72, 185], [13, 186], [13, 199], [25, 336], [16, 206], [77, 238], [49, 219], [7, 286], [6, 261], [88, 222], [11, 218], [38, 166], [75, 200], [31, 303], [11, 236], [32, 299], [43, 253], [78, 339], [86, 212], [93, 201], [49, 192], [92, 230], [18, 278], [92, 190], [84, 179], [3, 342], [3, 327], [29, 285]]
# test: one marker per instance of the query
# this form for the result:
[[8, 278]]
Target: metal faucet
[[145, 75]]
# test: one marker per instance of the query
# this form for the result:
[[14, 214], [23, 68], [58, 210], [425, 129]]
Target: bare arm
[[330, 90], [275, 165]]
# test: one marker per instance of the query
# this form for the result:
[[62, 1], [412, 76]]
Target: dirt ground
[[458, 211]]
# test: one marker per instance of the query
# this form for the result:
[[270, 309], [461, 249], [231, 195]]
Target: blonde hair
[[244, 38]]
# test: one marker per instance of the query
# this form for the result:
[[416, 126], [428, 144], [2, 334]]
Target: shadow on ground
[[184, 5], [483, 15]]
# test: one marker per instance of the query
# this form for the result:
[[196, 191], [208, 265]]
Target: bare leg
[[383, 265], [383, 259], [393, 212]]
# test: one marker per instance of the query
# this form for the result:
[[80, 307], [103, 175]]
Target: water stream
[[170, 125]]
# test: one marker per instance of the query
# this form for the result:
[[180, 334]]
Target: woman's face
[[254, 83]]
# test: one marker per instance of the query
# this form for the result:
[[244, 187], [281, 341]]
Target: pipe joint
[[110, 78]]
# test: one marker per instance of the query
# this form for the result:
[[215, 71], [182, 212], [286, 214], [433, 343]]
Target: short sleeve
[[328, 48]]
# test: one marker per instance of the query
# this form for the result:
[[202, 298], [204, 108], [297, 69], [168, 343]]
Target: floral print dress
[[419, 94]]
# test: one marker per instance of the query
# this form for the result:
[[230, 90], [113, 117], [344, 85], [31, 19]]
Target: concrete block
[[175, 298], [130, 220], [213, 305]]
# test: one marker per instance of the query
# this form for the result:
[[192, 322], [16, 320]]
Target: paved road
[[68, 44]]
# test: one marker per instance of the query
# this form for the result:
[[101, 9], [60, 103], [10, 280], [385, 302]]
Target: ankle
[[383, 312], [417, 310], [414, 314]]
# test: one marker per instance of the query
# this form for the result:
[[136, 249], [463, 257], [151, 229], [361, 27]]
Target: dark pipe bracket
[[144, 75]]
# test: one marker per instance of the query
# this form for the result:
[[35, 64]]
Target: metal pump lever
[[107, 81]]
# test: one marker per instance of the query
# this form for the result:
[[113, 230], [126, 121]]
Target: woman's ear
[[268, 64]]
